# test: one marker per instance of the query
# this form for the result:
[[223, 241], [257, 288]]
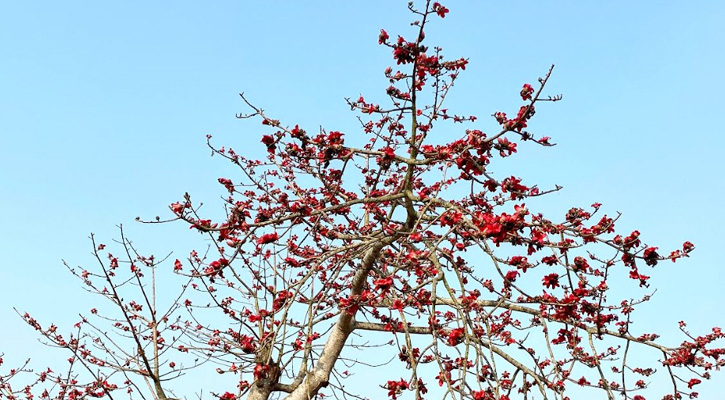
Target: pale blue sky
[[104, 108]]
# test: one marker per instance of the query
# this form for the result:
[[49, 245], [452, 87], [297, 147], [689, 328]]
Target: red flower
[[383, 284], [178, 208], [650, 256], [260, 371], [551, 280], [396, 387], [227, 396], [527, 91], [480, 395], [519, 262], [248, 345], [227, 184], [440, 10], [505, 147], [281, 299], [456, 336], [383, 37], [269, 142], [268, 238], [512, 275], [580, 264]]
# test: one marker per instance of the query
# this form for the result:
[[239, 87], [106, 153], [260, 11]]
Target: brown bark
[[319, 376]]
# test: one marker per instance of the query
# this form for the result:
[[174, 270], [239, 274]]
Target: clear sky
[[104, 108]]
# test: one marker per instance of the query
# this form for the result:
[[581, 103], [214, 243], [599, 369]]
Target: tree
[[400, 236]]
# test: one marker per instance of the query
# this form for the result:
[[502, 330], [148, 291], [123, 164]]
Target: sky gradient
[[104, 109]]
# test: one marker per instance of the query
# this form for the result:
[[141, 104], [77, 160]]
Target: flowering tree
[[399, 242]]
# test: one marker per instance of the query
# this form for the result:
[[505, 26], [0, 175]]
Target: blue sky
[[104, 108]]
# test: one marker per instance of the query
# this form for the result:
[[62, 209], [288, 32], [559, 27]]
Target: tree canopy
[[402, 245]]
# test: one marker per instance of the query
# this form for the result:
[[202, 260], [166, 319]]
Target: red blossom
[[395, 388], [269, 142], [267, 238], [440, 10], [228, 396], [383, 284], [650, 256], [551, 280], [383, 37], [527, 91], [455, 336]]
